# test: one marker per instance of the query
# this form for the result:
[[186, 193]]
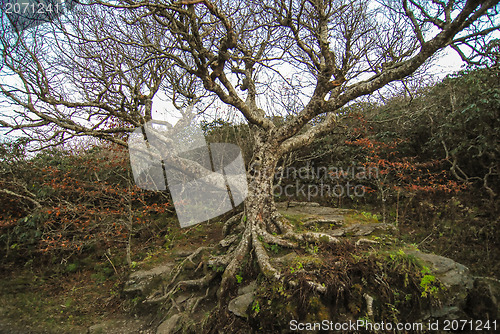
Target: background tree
[[304, 59]]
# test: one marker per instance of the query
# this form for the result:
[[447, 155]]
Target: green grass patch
[[362, 217]]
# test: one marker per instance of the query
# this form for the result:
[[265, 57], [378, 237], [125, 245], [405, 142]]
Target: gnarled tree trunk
[[261, 222], [260, 218]]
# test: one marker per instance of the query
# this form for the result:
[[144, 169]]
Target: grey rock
[[448, 312], [240, 304], [309, 204], [360, 230], [250, 288], [329, 220], [286, 258], [367, 229], [142, 282], [168, 326], [457, 280], [182, 298], [337, 232], [449, 272]]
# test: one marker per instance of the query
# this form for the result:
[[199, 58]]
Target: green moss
[[295, 219], [361, 217], [307, 261]]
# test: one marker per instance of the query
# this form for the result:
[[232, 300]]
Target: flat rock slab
[[333, 217], [250, 288], [455, 277], [449, 272], [141, 282], [182, 298], [315, 214], [240, 304], [312, 210], [293, 204], [168, 326], [360, 230]]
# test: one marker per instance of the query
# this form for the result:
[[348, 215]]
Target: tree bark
[[259, 219], [259, 204]]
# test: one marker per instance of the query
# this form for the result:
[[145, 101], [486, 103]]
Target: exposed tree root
[[234, 220], [312, 237], [220, 261], [263, 259], [182, 285], [253, 237], [190, 258], [313, 285], [271, 239], [229, 240], [174, 303], [199, 300], [283, 226], [196, 283], [271, 272], [237, 257], [260, 235]]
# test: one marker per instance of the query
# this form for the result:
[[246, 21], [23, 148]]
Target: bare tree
[[305, 59]]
